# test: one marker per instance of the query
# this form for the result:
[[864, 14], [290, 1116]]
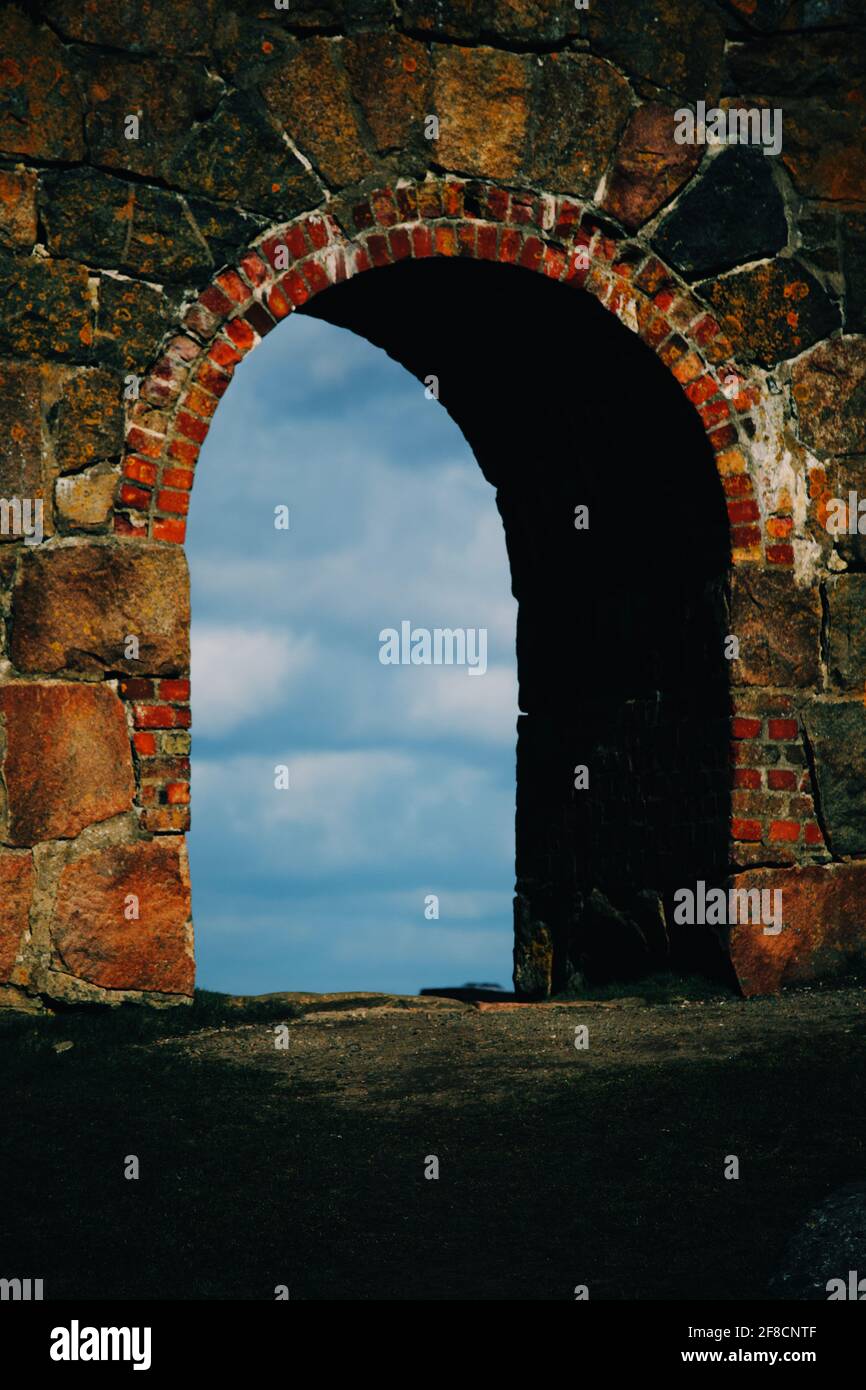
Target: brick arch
[[557, 237]]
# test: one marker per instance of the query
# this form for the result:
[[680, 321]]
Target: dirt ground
[[304, 1164]]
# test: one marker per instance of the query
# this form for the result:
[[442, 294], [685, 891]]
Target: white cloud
[[239, 673]]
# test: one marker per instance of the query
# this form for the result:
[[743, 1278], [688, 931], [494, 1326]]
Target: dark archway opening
[[621, 626]]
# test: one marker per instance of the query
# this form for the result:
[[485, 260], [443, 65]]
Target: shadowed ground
[[305, 1166]]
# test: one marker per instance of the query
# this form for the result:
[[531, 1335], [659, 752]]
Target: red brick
[[813, 834], [422, 242], [214, 300], [240, 333], [317, 230], [407, 202], [782, 728], [212, 379], [743, 511], [466, 238], [744, 537], [486, 243], [174, 689], [780, 554], [170, 501], [201, 402], [714, 411], [177, 793], [254, 268], [193, 429], [723, 438], [233, 286], [140, 471], [746, 728], [177, 477], [184, 451], [781, 779], [748, 778], [510, 243], [452, 198], [295, 287], [224, 354], [748, 830], [316, 276], [400, 244], [134, 496], [532, 253], [737, 485], [784, 832], [169, 529], [145, 744], [277, 303], [384, 207], [446, 240]]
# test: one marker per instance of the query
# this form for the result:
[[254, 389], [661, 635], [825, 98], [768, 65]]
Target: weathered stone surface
[[676, 48], [87, 776], [533, 952], [390, 80], [650, 167], [310, 95], [141, 26], [239, 156], [827, 1245], [46, 309], [772, 311], [608, 943], [837, 734], [84, 502], [846, 656], [481, 98], [17, 208], [105, 221], [40, 108], [580, 105], [853, 231], [734, 214], [779, 628], [228, 231], [525, 20], [774, 15], [819, 82], [166, 97], [93, 940], [87, 419], [822, 149], [794, 65], [829, 389], [20, 430], [130, 323], [824, 931], [74, 606], [16, 889], [818, 238], [454, 19]]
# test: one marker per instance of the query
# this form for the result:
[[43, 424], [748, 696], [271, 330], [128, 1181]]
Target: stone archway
[[95, 731]]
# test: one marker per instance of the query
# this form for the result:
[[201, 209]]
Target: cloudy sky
[[401, 779]]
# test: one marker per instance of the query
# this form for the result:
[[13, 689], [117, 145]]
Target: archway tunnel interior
[[616, 532]]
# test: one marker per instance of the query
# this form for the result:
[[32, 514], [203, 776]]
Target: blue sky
[[401, 778]]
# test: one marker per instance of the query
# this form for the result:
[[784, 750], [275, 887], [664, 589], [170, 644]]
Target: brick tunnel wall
[[156, 162]]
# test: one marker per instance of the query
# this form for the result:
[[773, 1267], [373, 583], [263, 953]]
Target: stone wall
[[176, 179]]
